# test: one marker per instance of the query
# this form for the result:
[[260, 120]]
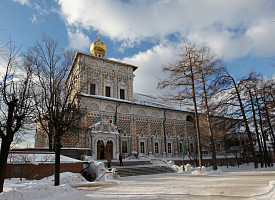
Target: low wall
[[32, 171]]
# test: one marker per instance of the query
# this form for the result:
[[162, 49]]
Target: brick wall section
[[31, 171], [70, 139], [124, 125], [141, 126]]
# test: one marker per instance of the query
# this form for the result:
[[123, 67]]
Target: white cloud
[[150, 65], [262, 37], [232, 28], [34, 19], [78, 40], [23, 2], [40, 6], [224, 43]]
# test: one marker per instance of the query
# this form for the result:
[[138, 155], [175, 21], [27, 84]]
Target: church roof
[[141, 99]]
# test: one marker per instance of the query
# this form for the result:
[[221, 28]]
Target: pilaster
[[162, 138], [115, 86], [149, 136], [130, 88], [100, 89], [175, 138], [133, 136]]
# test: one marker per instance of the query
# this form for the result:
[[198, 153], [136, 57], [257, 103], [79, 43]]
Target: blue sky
[[147, 33]]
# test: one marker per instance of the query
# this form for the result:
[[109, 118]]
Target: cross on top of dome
[[98, 48]]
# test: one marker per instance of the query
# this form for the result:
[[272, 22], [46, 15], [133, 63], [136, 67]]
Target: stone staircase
[[136, 168], [142, 170], [127, 162]]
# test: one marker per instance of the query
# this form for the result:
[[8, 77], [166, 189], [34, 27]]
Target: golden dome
[[98, 48]]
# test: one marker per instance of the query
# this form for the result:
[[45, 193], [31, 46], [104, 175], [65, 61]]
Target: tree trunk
[[256, 129], [57, 161], [269, 123], [251, 146], [5, 148], [266, 160], [196, 118], [213, 149], [7, 140], [3, 165]]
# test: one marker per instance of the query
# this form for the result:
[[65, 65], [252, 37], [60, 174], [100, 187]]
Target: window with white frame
[[156, 147], [204, 152], [124, 147], [169, 147], [122, 93], [142, 149], [92, 89], [108, 91]]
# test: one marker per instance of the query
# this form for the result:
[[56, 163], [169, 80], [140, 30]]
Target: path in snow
[[233, 185]]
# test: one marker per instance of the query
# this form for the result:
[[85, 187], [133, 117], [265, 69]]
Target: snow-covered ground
[[124, 188], [43, 189]]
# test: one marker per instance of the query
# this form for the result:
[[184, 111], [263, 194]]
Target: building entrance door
[[109, 150], [100, 149]]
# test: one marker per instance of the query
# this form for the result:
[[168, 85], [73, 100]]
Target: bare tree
[[58, 109], [263, 138], [45, 60], [209, 69], [263, 98], [193, 75], [262, 160], [267, 105], [248, 84], [15, 101], [234, 102], [182, 77]]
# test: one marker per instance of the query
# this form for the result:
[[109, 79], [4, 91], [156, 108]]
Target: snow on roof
[[141, 99], [38, 158], [149, 100]]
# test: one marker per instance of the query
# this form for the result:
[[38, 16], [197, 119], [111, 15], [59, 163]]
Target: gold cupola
[[98, 48]]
